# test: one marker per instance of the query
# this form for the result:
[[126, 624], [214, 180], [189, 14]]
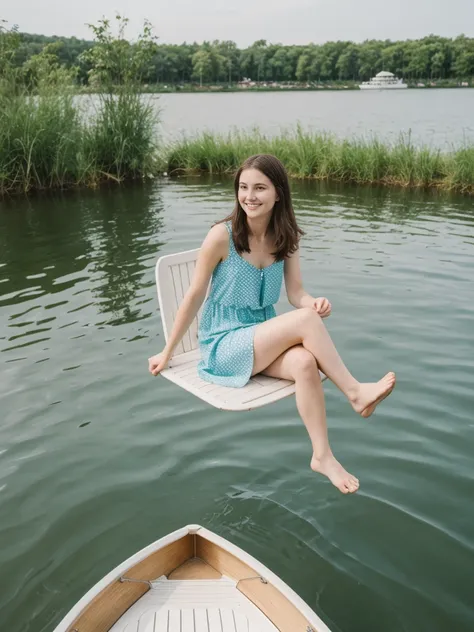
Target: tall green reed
[[324, 157]]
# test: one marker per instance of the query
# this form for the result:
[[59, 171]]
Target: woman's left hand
[[322, 306]]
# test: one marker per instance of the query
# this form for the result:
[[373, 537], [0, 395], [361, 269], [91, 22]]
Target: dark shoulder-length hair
[[283, 227]]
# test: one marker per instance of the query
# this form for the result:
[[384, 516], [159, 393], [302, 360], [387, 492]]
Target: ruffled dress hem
[[233, 381]]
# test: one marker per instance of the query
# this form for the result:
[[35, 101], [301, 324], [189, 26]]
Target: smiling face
[[257, 194], [263, 205]]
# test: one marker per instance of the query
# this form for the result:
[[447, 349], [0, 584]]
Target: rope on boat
[[262, 579], [136, 581]]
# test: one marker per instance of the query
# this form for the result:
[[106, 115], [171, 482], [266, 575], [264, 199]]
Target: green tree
[[393, 59], [44, 71], [278, 64], [370, 59], [229, 65], [202, 66], [348, 63], [329, 54], [303, 68], [419, 63], [437, 64], [463, 64], [316, 63], [253, 61], [9, 43], [115, 62]]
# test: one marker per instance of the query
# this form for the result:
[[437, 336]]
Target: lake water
[[98, 458], [438, 118]]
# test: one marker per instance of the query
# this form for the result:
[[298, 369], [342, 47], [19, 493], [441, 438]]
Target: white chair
[[173, 277]]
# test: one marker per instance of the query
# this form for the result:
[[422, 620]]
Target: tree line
[[432, 57]]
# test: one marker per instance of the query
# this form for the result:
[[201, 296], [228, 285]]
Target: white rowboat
[[191, 581]]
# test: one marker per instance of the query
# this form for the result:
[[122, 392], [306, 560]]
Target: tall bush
[[45, 142]]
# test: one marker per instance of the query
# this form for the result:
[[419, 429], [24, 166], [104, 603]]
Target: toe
[[349, 485], [353, 484]]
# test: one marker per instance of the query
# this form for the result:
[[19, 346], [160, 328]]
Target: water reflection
[[92, 247], [124, 229]]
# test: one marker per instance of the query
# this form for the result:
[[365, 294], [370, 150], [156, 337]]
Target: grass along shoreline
[[323, 157], [47, 146]]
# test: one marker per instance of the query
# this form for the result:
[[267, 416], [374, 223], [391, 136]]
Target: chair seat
[[173, 277], [259, 391]]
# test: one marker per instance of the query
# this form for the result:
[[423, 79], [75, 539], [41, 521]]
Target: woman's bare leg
[[305, 327], [299, 365]]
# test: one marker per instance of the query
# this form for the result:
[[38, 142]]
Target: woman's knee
[[304, 363], [310, 317]]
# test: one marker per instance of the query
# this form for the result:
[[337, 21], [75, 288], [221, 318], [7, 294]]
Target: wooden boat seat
[[173, 277]]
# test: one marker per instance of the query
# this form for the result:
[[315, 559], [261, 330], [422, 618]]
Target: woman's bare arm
[[215, 247], [297, 296]]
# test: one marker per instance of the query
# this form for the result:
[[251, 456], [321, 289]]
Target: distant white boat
[[383, 81]]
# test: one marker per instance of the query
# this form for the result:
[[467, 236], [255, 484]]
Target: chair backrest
[[173, 277]]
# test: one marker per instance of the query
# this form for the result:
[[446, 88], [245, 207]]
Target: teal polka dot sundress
[[241, 297]]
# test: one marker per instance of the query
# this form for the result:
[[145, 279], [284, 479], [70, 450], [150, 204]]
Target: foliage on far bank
[[429, 59], [47, 142], [323, 157]]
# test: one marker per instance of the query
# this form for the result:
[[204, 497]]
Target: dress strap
[[231, 239]]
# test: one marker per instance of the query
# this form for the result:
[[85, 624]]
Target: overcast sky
[[245, 21]]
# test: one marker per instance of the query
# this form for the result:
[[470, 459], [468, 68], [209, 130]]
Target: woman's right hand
[[157, 363]]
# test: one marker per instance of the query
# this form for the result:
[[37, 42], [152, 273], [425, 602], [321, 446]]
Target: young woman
[[247, 255]]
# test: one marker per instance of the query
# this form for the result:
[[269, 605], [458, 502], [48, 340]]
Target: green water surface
[[98, 459]]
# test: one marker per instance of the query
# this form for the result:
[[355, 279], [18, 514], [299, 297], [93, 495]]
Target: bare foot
[[369, 395], [339, 477]]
